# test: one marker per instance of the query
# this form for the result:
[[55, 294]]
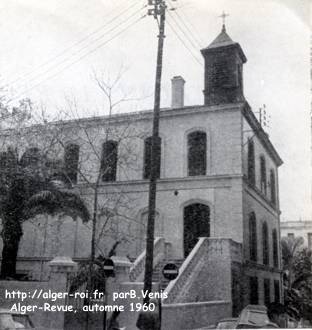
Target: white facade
[[298, 228]]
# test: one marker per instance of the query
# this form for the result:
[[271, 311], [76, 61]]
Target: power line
[[182, 31], [66, 50], [184, 44], [80, 58], [193, 36], [195, 33], [84, 47]]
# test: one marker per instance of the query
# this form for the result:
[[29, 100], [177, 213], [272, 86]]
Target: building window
[[109, 161], [267, 291], [148, 157], [3, 161], [253, 290], [275, 248], [197, 153], [251, 162], [253, 237], [310, 241], [277, 296], [196, 218], [291, 235], [71, 161], [263, 183], [30, 157], [265, 243], [272, 187]]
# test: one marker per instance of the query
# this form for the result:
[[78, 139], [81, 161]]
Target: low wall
[[187, 316], [37, 268], [40, 318], [37, 298]]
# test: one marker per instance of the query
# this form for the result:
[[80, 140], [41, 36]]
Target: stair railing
[[137, 269], [175, 286]]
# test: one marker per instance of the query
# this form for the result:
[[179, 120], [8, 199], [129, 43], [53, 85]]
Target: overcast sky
[[50, 48]]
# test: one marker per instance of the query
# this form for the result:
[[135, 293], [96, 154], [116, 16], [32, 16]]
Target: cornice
[[259, 132], [222, 181]]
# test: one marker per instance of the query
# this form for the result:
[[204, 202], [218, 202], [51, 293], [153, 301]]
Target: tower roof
[[222, 39]]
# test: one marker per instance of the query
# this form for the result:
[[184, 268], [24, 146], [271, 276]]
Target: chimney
[[177, 92]]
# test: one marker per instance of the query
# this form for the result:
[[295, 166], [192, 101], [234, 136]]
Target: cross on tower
[[223, 16]]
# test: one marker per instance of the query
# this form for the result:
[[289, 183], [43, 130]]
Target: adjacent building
[[299, 228]]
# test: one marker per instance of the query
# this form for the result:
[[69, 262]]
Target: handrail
[[186, 269], [196, 260], [138, 265]]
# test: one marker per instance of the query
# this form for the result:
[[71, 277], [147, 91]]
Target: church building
[[217, 207]]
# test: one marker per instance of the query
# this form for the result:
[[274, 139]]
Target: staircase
[[157, 272]]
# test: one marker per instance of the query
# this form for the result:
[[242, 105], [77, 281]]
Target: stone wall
[[206, 274], [37, 293]]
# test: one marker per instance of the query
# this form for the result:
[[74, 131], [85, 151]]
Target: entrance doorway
[[196, 224]]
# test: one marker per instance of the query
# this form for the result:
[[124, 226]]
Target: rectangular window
[[197, 153], [253, 290], [253, 237], [266, 291], [71, 160], [275, 248], [263, 179], [276, 291], [265, 244], [272, 187], [251, 162], [147, 166], [109, 161], [3, 162]]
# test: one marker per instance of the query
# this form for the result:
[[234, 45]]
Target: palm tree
[[28, 188], [297, 267]]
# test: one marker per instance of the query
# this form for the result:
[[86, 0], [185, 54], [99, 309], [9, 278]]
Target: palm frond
[[54, 201]]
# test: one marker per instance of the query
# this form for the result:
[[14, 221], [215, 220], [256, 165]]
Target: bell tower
[[224, 61]]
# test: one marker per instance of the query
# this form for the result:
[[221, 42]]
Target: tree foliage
[[297, 267], [27, 190]]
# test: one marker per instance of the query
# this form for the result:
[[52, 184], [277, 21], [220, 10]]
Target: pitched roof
[[222, 39]]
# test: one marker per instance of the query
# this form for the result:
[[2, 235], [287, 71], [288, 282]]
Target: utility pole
[[158, 11]]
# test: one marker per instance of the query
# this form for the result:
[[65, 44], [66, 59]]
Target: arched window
[[253, 237], [147, 166], [272, 187], [275, 248], [263, 182], [265, 243], [251, 162], [196, 219], [109, 160], [140, 232], [71, 161], [197, 153]]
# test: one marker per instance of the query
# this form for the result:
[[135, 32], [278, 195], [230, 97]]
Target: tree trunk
[[9, 256], [11, 235]]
